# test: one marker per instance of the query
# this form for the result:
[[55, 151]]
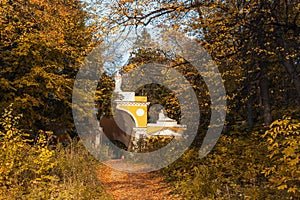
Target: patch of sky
[[119, 44]]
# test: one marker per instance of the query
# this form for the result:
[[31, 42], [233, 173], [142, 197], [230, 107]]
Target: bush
[[23, 167], [283, 140], [77, 170], [260, 165], [231, 171], [154, 143], [34, 171]]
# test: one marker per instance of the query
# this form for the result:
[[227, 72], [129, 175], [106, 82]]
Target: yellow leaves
[[292, 190], [21, 163], [269, 170], [29, 23], [284, 146], [180, 8], [175, 26], [282, 187], [130, 67], [122, 2]]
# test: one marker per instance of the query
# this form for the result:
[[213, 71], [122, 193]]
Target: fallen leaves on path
[[138, 186]]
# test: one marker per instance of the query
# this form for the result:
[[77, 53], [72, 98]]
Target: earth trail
[[134, 186]]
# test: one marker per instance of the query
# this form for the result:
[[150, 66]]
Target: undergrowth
[[261, 165], [31, 170]]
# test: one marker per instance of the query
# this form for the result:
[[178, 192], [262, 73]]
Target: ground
[[138, 186]]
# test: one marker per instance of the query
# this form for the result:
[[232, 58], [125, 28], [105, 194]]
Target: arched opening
[[119, 127], [128, 113]]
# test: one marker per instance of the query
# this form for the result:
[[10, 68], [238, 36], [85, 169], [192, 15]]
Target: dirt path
[[136, 186]]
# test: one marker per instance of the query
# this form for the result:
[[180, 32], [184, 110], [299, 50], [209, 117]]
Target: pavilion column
[[98, 137], [137, 139]]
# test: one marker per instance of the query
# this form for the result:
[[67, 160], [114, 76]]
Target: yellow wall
[[141, 120], [140, 98]]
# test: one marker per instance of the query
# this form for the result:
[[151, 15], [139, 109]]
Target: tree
[[103, 95], [256, 47], [254, 43], [41, 47]]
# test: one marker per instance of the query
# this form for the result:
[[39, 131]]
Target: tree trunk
[[250, 113], [264, 92], [294, 77], [250, 117], [289, 66]]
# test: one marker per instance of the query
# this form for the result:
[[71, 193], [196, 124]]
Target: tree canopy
[[41, 47]]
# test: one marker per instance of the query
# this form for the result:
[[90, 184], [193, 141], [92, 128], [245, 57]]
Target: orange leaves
[[122, 2], [42, 42], [122, 185]]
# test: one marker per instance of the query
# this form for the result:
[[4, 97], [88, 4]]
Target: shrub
[[243, 166], [231, 171], [77, 170], [154, 143], [283, 140], [23, 166], [34, 171]]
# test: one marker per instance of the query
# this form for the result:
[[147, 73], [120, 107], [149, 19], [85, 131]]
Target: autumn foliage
[[255, 44], [41, 47], [35, 170]]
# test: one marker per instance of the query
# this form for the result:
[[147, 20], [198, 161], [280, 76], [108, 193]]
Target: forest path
[[137, 186]]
